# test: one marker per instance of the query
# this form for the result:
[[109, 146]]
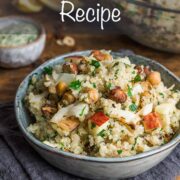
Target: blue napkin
[[18, 161]]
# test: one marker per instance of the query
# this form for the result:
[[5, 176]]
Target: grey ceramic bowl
[[93, 167], [14, 57]]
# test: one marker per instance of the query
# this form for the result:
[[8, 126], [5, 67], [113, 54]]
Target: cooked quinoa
[[102, 106]]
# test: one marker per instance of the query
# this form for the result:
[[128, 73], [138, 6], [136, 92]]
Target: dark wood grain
[[86, 37]]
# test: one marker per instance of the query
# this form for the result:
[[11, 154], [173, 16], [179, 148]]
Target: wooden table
[[86, 36]]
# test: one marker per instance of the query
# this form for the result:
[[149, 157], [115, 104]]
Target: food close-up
[[89, 90], [100, 106]]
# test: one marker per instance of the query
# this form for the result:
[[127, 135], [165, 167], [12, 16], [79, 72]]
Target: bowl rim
[[152, 6], [37, 25], [32, 140]]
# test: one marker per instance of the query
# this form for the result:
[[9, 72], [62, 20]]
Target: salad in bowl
[[102, 106]]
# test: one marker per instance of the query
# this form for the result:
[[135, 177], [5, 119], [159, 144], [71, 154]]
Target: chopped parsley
[[93, 73], [127, 65], [161, 95], [95, 63], [61, 144], [82, 112], [93, 125], [133, 72], [116, 73], [108, 86], [116, 64], [129, 91], [133, 107], [134, 144], [48, 70], [94, 85], [31, 79], [75, 85], [164, 142], [137, 78], [175, 90], [119, 151], [101, 133]]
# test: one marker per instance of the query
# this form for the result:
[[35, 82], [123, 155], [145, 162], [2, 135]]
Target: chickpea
[[101, 56], [69, 67], [52, 89], [61, 87], [68, 98], [75, 59], [154, 78], [118, 95], [93, 95]]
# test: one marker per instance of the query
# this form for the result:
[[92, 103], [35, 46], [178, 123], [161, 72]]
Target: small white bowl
[[23, 55]]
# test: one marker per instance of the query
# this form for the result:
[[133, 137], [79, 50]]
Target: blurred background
[[150, 28]]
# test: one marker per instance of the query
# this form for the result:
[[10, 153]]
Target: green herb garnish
[[137, 78], [108, 86], [161, 95], [164, 142], [61, 144], [129, 91], [82, 112], [133, 107], [119, 151], [93, 73], [95, 63], [116, 64], [93, 126], [94, 85], [101, 133], [133, 72], [134, 144], [48, 70], [75, 85], [116, 73]]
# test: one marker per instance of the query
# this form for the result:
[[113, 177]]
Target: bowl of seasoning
[[22, 41]]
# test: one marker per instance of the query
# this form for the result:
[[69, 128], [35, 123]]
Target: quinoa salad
[[102, 106]]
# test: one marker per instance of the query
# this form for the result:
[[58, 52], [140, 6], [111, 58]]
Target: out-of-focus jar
[[151, 24]]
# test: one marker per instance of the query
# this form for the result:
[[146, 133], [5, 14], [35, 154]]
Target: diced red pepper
[[152, 121], [99, 118]]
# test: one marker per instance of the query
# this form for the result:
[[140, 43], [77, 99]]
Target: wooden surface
[[86, 36]]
